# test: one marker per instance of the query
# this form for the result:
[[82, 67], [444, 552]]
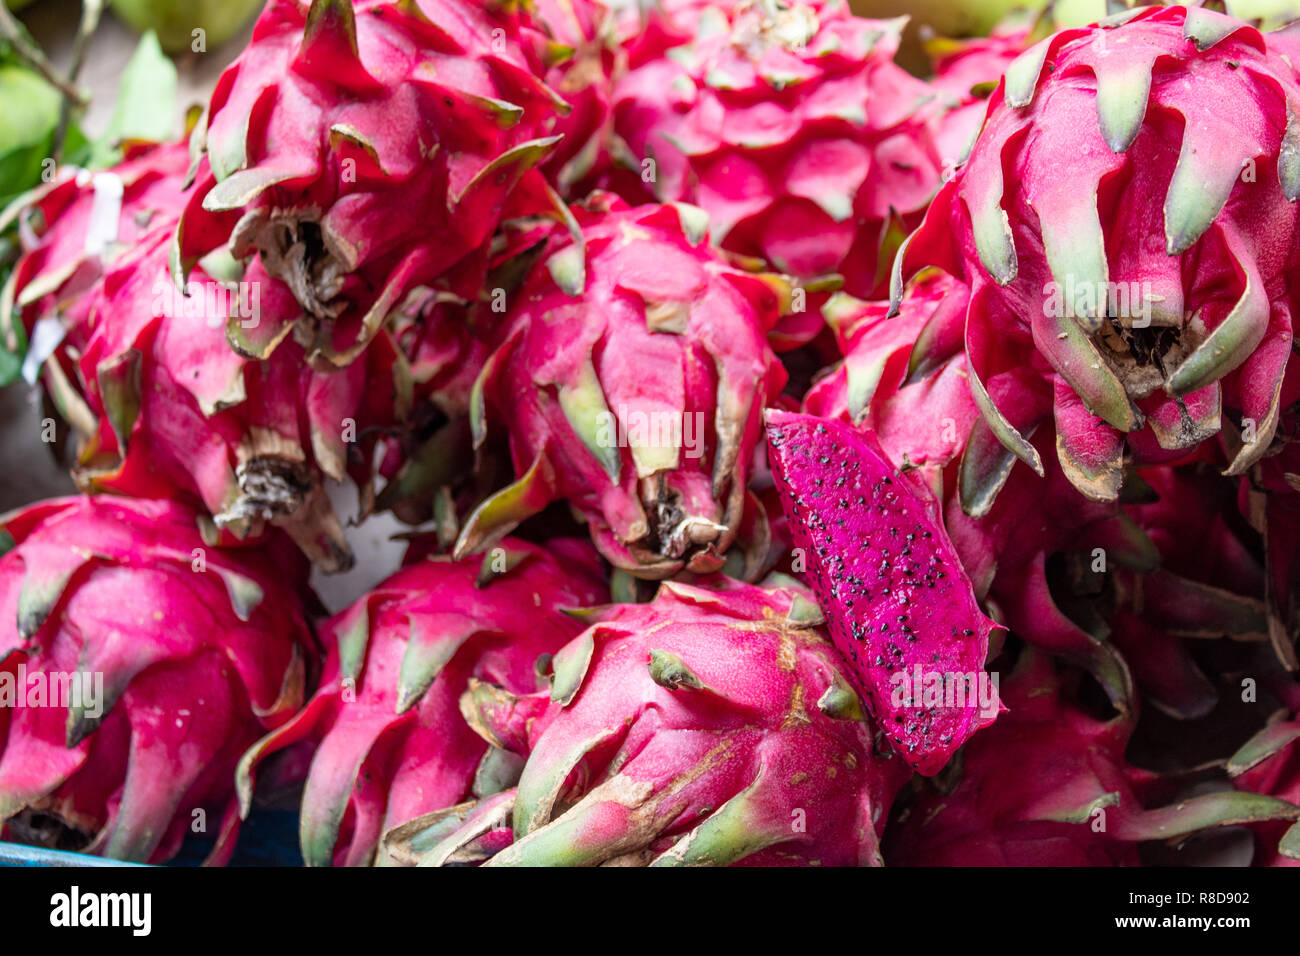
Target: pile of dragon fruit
[[803, 461]]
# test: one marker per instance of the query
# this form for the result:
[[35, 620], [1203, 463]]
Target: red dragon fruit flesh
[[898, 604]]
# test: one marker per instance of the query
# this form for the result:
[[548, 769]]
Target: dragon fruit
[[966, 72], [585, 32], [708, 727], [1120, 592], [1269, 497], [159, 400], [428, 460], [1048, 785], [365, 148], [157, 660], [1208, 584], [74, 228], [895, 372], [389, 740], [790, 124], [1117, 591], [897, 602], [898, 372], [633, 373], [1126, 244], [1269, 764]]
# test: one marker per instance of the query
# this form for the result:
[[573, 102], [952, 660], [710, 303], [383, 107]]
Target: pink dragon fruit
[[897, 602], [368, 147], [1118, 591], [896, 372], [73, 229], [1269, 764], [428, 465], [790, 124], [584, 33], [388, 737], [1208, 584], [1269, 497], [136, 665], [708, 727], [1048, 785], [1126, 245], [633, 373], [966, 72], [433, 330], [161, 403], [905, 380]]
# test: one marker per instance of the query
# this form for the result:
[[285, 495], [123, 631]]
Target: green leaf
[[146, 98], [20, 169], [77, 149], [31, 108], [28, 119]]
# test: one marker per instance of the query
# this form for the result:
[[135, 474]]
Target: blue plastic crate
[[15, 854]]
